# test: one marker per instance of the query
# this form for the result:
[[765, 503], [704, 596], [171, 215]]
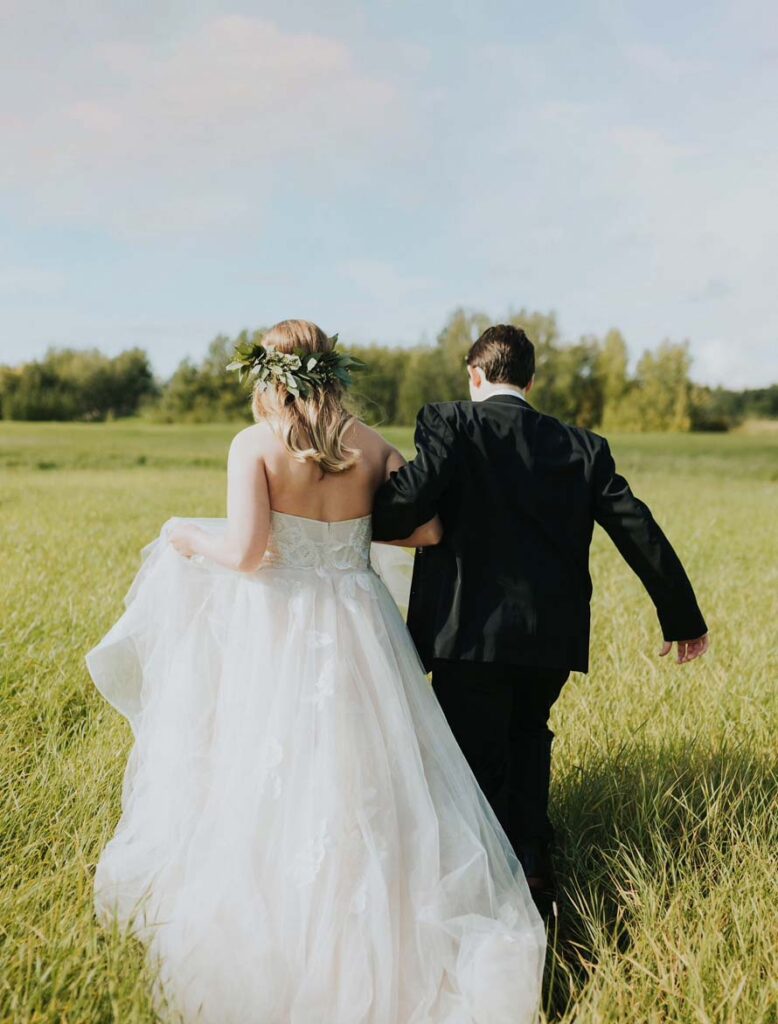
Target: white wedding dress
[[302, 841]]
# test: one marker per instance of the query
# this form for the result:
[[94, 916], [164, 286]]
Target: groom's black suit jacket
[[518, 494]]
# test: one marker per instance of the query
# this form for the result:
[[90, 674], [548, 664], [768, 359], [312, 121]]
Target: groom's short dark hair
[[505, 354]]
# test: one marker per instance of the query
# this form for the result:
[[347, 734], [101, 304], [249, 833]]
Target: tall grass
[[665, 783]]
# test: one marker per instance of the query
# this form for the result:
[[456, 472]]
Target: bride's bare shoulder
[[257, 439], [369, 440], [378, 453], [366, 434]]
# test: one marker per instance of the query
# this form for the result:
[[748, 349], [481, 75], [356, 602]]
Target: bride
[[301, 839]]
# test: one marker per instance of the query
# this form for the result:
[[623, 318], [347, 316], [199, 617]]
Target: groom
[[499, 611]]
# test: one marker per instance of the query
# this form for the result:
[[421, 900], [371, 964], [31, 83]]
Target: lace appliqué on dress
[[308, 862], [310, 544], [271, 758]]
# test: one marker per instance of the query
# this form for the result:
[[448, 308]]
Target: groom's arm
[[410, 496], [647, 551]]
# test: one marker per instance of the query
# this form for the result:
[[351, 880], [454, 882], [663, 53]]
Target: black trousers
[[499, 717]]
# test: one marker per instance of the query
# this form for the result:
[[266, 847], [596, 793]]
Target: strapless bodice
[[297, 542]]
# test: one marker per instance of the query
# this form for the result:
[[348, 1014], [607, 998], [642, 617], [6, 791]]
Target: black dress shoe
[[535, 859], [544, 895]]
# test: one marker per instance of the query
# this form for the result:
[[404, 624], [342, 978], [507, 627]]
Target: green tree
[[706, 412], [199, 394], [576, 389], [377, 387], [70, 384], [420, 383], [613, 371], [661, 397], [462, 328]]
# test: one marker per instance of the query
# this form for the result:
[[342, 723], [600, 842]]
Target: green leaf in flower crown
[[300, 372]]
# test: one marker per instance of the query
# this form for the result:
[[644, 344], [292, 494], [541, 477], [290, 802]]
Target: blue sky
[[173, 170]]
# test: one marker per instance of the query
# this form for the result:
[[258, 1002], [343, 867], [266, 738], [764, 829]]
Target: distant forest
[[587, 382]]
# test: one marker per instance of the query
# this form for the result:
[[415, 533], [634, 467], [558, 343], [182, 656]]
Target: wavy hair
[[312, 429]]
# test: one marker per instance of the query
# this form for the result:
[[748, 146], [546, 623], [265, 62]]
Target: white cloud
[[189, 135]]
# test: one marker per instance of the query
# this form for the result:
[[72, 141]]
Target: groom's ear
[[476, 375], [530, 385]]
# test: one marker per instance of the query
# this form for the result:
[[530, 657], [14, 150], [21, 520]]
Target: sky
[[175, 170]]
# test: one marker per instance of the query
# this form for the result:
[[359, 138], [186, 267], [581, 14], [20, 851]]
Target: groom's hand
[[688, 650]]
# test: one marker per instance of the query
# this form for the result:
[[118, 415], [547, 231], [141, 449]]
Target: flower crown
[[300, 372]]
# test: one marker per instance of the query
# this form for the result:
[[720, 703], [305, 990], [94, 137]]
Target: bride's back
[[304, 489]]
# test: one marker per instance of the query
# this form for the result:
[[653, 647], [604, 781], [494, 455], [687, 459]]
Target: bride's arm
[[426, 535], [243, 543]]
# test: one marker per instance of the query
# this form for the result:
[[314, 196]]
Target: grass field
[[665, 780]]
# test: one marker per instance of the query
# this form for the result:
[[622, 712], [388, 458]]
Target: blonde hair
[[313, 428]]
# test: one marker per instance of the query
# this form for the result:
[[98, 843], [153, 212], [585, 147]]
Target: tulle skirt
[[301, 840]]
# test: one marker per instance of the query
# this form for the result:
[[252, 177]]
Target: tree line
[[587, 382]]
